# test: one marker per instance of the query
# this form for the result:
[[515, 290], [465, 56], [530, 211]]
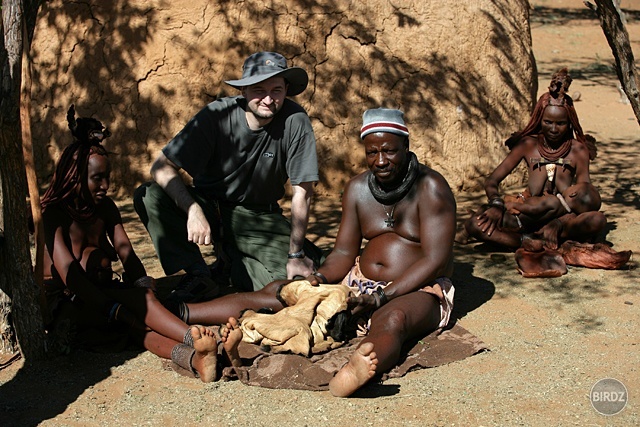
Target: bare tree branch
[[613, 26]]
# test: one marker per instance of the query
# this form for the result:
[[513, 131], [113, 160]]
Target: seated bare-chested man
[[557, 154], [407, 213]]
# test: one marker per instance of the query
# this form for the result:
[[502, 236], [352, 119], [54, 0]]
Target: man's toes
[[233, 322]]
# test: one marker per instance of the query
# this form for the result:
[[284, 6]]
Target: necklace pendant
[[551, 172], [390, 222]]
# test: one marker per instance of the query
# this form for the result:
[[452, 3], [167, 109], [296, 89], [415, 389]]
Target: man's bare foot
[[231, 335], [206, 357], [360, 369]]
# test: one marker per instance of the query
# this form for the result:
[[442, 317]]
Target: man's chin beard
[[263, 116]]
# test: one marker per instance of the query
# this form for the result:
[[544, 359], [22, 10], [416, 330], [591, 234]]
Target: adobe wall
[[463, 72]]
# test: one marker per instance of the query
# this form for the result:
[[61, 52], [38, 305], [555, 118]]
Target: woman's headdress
[[68, 185]]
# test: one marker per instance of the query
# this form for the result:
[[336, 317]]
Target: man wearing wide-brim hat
[[240, 152]]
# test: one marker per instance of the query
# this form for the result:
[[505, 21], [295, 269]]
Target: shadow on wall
[[95, 63], [103, 43]]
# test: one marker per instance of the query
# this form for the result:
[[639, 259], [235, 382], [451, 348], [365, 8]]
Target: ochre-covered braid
[[69, 184], [557, 95]]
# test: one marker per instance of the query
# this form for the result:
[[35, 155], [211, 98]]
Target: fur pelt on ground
[[301, 327]]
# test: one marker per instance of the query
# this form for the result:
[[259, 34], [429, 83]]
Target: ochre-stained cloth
[[593, 255], [553, 263], [442, 288], [301, 327], [292, 371], [546, 263]]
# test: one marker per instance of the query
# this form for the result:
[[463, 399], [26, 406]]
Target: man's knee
[[138, 201], [393, 320], [147, 194], [600, 220], [148, 199]]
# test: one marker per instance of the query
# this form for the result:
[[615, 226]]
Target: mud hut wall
[[463, 72]]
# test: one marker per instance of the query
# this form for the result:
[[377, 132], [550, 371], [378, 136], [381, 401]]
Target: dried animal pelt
[[301, 327]]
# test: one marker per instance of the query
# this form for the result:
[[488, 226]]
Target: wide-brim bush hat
[[263, 65]]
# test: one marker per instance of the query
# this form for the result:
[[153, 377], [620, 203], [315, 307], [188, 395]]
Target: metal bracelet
[[382, 297], [323, 279], [300, 254], [496, 202]]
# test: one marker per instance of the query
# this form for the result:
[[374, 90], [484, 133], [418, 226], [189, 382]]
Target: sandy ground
[[550, 339]]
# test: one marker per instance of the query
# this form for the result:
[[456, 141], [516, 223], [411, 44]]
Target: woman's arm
[[132, 265], [57, 238]]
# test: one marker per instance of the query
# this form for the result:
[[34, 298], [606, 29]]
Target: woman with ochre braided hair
[[557, 154], [84, 234]]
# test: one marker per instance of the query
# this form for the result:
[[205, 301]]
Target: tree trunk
[[615, 31], [16, 273], [8, 343]]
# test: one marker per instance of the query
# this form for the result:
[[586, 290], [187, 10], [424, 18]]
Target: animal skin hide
[[593, 255], [534, 261], [546, 263], [301, 327]]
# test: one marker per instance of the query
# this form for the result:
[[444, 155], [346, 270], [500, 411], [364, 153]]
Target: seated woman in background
[[84, 234]]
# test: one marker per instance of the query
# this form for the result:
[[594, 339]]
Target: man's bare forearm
[[167, 175], [300, 207]]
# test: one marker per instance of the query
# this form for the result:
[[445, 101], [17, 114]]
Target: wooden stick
[[27, 152]]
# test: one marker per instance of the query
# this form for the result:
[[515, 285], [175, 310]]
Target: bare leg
[[231, 335], [206, 358], [584, 227], [144, 306], [204, 342], [503, 237], [157, 344], [140, 307], [462, 236], [219, 310], [405, 317]]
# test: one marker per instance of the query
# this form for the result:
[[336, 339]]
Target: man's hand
[[299, 267], [363, 302], [313, 280], [198, 228], [166, 174], [490, 220]]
